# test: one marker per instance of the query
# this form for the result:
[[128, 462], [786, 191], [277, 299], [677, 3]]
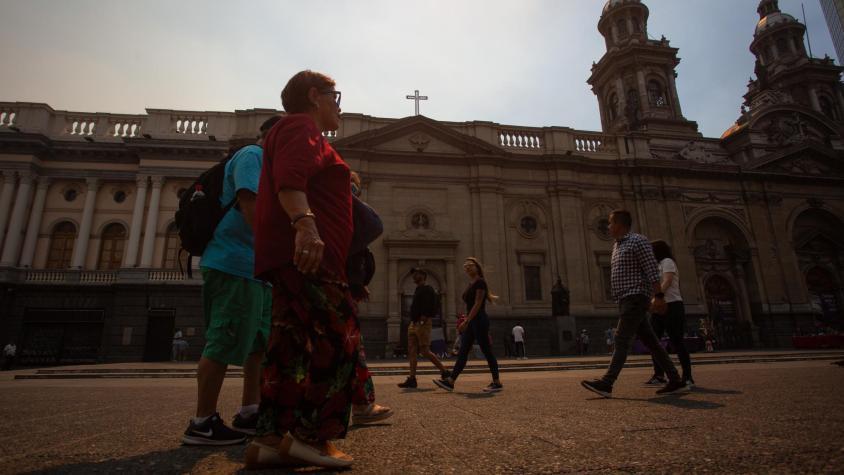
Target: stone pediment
[[788, 126], [803, 160], [417, 134]]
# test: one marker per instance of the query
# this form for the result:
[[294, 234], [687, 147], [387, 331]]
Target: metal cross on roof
[[416, 98]]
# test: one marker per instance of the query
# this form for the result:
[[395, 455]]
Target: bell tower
[[635, 79]]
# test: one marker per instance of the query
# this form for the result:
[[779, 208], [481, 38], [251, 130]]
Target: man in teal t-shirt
[[237, 307]]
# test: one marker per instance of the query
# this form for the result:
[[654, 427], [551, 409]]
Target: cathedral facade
[[90, 268]]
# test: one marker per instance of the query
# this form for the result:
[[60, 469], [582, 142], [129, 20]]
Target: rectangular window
[[533, 283]]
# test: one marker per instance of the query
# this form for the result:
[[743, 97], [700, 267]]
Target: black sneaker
[[445, 374], [656, 381], [493, 388], [445, 384], [674, 387], [211, 432], [247, 424], [598, 386], [408, 383], [690, 383]]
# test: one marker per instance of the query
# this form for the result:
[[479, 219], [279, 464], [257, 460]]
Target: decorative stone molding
[[816, 202], [419, 141]]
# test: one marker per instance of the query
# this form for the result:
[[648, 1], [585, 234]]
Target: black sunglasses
[[337, 96]]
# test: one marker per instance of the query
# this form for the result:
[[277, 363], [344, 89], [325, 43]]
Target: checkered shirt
[[634, 267]]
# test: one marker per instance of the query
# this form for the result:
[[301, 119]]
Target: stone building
[[89, 268]]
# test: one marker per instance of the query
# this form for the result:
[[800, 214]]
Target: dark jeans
[[477, 330], [673, 323], [520, 349], [633, 322]]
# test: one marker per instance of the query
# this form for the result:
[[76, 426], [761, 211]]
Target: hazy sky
[[522, 62]]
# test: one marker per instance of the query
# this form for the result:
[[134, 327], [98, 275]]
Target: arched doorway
[[408, 288], [724, 265], [817, 238], [723, 319]]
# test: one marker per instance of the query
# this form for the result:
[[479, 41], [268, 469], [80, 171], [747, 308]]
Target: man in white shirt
[[9, 353], [519, 339]]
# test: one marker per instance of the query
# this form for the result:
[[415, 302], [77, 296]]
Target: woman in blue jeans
[[475, 328]]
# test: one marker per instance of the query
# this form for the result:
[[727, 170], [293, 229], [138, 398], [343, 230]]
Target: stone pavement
[[783, 417]]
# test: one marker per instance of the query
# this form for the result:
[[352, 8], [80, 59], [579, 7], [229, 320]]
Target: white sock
[[200, 420], [247, 411]]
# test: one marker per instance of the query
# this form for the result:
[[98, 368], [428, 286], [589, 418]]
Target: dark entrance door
[[731, 331], [160, 328], [61, 336]]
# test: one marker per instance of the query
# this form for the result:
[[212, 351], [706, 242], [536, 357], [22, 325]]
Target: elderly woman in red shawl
[[303, 230]]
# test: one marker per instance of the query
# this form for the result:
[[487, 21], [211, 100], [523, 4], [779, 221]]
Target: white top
[[10, 350], [519, 334], [178, 335], [672, 293], [584, 338]]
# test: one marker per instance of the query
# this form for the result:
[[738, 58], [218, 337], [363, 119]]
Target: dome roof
[[614, 3], [773, 19]]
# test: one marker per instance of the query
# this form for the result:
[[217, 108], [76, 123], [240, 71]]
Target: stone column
[[393, 305], [137, 221], [675, 97], [34, 225], [152, 222], [6, 200], [451, 303], [813, 96], [622, 96], [11, 246], [80, 249], [643, 92]]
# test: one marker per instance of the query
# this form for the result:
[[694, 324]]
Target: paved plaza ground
[[782, 417]]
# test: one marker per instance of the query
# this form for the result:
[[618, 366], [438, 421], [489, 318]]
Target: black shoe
[[247, 424], [689, 382], [656, 381], [211, 432], [598, 386], [408, 383], [445, 374], [493, 388], [674, 387], [445, 384]]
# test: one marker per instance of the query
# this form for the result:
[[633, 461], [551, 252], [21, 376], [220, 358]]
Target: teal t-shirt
[[231, 250]]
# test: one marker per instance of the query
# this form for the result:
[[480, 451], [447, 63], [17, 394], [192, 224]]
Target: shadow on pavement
[[478, 395], [682, 403], [418, 390], [702, 390], [178, 460]]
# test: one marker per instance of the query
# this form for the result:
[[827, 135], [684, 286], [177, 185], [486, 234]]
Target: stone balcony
[[174, 125], [97, 277]]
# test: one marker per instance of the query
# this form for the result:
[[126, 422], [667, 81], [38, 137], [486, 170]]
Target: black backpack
[[200, 210]]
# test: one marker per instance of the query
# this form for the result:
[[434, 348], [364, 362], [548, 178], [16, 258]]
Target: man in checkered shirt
[[634, 279]]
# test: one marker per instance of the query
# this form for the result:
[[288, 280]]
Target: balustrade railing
[[7, 116], [520, 139], [97, 277], [594, 143], [222, 126], [45, 276], [166, 276]]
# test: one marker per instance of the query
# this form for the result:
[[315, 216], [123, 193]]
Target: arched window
[[637, 27], [612, 107], [622, 28], [782, 47], [112, 243], [829, 108], [172, 244], [61, 245], [656, 94]]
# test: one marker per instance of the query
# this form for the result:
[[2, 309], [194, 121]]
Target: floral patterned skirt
[[312, 371]]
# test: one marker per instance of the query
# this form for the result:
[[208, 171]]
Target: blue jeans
[[476, 331], [633, 322]]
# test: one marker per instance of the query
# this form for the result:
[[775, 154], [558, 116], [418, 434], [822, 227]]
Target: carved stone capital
[[44, 182], [93, 183], [142, 181], [157, 181]]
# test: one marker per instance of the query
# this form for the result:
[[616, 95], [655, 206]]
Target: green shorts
[[238, 313]]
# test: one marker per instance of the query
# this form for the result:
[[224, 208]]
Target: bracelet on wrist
[[306, 214]]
